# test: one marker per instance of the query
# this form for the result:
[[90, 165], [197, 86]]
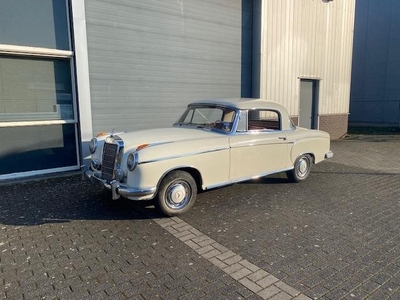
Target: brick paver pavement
[[335, 236], [372, 153]]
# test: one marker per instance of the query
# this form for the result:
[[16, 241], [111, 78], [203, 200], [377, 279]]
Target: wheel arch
[[305, 153], [195, 173]]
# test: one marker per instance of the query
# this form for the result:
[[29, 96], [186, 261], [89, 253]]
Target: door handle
[[282, 138]]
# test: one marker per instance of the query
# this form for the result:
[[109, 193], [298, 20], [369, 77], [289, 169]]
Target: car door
[[260, 149]]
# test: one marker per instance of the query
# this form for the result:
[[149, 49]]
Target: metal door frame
[[314, 101]]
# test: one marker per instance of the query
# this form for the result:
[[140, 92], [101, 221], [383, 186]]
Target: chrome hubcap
[[302, 167], [178, 195]]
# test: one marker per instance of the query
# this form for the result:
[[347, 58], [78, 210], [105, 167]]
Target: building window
[[38, 23], [35, 89], [38, 123]]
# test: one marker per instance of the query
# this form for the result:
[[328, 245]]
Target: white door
[[254, 155]]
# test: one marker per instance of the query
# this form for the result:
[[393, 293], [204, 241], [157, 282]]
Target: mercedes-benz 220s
[[214, 143]]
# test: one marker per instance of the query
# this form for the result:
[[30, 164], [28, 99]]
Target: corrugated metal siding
[[148, 59], [309, 39], [375, 88]]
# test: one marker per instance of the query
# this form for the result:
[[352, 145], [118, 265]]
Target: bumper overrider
[[117, 189], [329, 154]]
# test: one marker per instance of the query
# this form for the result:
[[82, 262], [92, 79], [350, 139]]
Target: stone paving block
[[301, 297], [211, 254], [250, 285], [286, 288], [166, 223], [258, 275], [233, 260], [200, 238], [240, 273], [269, 292], [206, 242], [381, 278], [226, 255], [185, 227], [220, 247], [218, 263], [232, 268], [196, 232], [179, 234], [171, 230], [205, 249], [312, 281], [192, 245], [179, 225], [187, 237], [249, 265], [175, 219], [267, 281], [281, 296]]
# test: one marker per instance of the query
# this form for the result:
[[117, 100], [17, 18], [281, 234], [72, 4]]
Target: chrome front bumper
[[329, 154], [117, 189]]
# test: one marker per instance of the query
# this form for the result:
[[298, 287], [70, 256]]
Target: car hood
[[161, 136]]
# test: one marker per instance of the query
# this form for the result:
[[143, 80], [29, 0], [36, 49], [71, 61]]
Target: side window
[[264, 120]]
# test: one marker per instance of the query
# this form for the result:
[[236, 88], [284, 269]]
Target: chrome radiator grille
[[112, 152]]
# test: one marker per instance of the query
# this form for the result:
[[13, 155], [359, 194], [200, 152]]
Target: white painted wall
[[307, 39]]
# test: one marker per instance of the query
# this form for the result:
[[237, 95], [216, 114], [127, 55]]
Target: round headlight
[[93, 145], [132, 161]]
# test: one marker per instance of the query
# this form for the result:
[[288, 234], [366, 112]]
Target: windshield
[[219, 118]]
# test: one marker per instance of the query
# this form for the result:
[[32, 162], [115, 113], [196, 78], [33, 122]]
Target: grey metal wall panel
[[375, 89], [149, 59]]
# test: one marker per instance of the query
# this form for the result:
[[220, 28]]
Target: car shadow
[[61, 200]]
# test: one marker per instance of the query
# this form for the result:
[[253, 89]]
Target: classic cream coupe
[[214, 143]]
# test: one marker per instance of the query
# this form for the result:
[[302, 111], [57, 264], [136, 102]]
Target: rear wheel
[[177, 193], [301, 170]]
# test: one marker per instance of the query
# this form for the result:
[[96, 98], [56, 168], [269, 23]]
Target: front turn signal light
[[142, 146]]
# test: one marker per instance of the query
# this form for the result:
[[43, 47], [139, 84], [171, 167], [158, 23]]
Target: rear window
[[263, 120]]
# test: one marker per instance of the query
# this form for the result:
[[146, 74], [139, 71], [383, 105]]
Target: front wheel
[[177, 193], [301, 170]]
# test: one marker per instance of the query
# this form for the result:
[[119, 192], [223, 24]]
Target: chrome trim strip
[[260, 144], [36, 123], [158, 144], [25, 175], [34, 51], [263, 131], [182, 155], [246, 178]]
